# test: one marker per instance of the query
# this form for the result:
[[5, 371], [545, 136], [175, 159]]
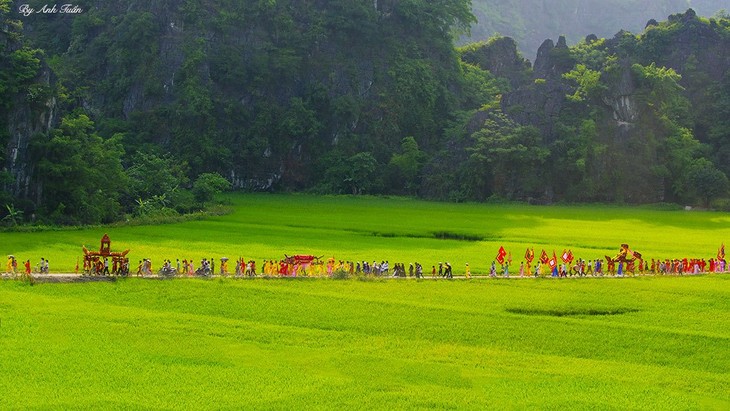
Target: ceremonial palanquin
[[627, 256], [96, 262]]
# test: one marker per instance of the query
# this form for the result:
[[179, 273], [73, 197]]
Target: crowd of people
[[331, 267], [597, 268], [316, 267]]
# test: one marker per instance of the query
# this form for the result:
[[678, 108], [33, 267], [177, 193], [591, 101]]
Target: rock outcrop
[[622, 100], [500, 57], [539, 102]]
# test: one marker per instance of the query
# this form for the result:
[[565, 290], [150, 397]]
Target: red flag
[[529, 255], [544, 257], [501, 254], [570, 256], [553, 261], [565, 256]]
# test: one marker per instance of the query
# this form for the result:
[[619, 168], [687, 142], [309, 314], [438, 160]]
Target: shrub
[[340, 275]]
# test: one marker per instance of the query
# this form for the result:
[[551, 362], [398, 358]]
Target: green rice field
[[395, 229], [632, 343], [646, 342]]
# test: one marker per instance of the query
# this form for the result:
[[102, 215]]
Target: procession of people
[[627, 262], [317, 267]]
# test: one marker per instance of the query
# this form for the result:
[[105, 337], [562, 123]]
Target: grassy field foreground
[[395, 229], [637, 343]]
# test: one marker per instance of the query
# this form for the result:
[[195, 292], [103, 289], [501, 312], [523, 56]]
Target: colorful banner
[[529, 255], [544, 257], [501, 254], [567, 256], [553, 261]]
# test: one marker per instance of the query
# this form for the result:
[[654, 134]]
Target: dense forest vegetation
[[150, 107]]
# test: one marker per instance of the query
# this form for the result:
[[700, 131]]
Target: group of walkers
[[179, 268], [599, 268], [206, 268], [12, 266], [691, 266], [320, 268], [331, 267], [287, 268]]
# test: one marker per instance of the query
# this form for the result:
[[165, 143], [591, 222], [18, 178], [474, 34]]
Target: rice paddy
[[653, 342]]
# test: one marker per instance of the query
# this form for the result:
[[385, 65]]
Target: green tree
[[361, 174], [406, 167], [589, 83], [13, 216], [667, 117], [719, 135], [511, 155], [79, 173], [479, 88], [156, 184], [152, 175], [705, 181], [207, 185]]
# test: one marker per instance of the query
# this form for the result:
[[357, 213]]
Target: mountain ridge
[[530, 22]]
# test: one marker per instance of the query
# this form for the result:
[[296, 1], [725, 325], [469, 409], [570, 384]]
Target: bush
[[182, 200], [720, 204], [208, 185], [340, 275]]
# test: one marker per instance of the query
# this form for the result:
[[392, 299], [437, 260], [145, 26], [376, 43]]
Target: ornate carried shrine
[[627, 256], [97, 262], [291, 265]]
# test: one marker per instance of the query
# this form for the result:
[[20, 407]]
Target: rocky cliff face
[[24, 122], [28, 112], [692, 42], [529, 22], [258, 91], [692, 46], [500, 57], [539, 101], [631, 111]]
